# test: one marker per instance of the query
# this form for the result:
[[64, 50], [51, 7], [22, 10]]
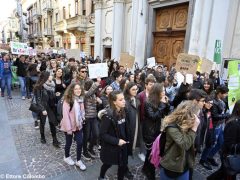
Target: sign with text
[[73, 53], [126, 60], [187, 63], [32, 52], [19, 48], [205, 66], [98, 70]]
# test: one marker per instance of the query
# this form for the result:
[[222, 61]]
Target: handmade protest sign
[[126, 60], [98, 70], [19, 48], [151, 62], [187, 63], [73, 53]]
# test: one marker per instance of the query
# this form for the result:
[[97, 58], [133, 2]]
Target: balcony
[[48, 32], [37, 13], [60, 26], [78, 22], [37, 35], [47, 6]]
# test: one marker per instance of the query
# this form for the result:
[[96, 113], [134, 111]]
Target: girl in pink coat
[[71, 124]]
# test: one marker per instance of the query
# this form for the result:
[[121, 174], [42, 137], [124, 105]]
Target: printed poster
[[233, 83], [98, 70]]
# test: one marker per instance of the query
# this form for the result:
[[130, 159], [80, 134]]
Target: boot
[[43, 140], [56, 143]]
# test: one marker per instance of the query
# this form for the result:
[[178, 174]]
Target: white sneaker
[[81, 165], [23, 98], [69, 161], [142, 157]]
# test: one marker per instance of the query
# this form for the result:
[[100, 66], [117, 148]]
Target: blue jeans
[[163, 176], [218, 133], [22, 81], [78, 137], [6, 81]]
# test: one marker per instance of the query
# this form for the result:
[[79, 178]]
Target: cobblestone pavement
[[38, 159]]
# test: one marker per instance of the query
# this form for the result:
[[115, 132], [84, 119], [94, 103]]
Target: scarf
[[49, 86], [79, 111]]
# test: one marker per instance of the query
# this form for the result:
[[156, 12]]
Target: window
[[92, 7], [83, 7], [57, 44], [76, 7], [92, 39], [69, 10], [64, 13], [56, 17]]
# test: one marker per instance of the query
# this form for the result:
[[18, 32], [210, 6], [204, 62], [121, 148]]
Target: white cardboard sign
[[98, 70]]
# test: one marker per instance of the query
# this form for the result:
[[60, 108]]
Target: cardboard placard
[[206, 66], [98, 70], [151, 62], [73, 53], [180, 78], [32, 52], [126, 60], [187, 63], [19, 48]]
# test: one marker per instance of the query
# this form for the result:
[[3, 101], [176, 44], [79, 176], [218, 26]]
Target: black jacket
[[232, 137], [110, 133], [132, 115], [46, 101], [152, 123], [217, 111], [21, 68]]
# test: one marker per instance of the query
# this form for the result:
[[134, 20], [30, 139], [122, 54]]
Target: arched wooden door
[[169, 35]]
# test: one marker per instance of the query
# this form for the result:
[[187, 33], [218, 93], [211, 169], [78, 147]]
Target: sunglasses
[[83, 71]]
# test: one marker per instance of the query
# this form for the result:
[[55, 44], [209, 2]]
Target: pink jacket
[[68, 123]]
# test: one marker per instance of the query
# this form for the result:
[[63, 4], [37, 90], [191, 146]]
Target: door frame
[[105, 47]]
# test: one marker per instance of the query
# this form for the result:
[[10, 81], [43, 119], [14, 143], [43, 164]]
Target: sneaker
[[23, 98], [92, 153], [86, 156], [69, 161], [205, 164], [142, 157], [43, 140], [36, 126], [212, 162], [80, 165]]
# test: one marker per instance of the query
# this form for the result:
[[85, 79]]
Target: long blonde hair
[[184, 116]]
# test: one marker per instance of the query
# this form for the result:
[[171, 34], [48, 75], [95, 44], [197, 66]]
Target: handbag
[[232, 163], [34, 107]]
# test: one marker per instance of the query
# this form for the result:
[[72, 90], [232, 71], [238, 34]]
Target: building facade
[[61, 24], [165, 28]]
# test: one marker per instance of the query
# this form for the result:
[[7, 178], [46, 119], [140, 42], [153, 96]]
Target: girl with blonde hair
[[180, 127]]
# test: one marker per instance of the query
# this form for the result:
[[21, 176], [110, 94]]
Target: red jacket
[[142, 97]]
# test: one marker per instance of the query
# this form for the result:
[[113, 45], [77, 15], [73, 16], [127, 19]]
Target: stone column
[[98, 27], [118, 13]]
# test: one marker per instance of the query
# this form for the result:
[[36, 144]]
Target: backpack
[[158, 147]]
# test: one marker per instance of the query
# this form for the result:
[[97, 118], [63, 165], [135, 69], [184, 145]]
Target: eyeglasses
[[83, 71]]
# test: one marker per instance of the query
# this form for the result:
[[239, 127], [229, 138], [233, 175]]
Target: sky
[[6, 8]]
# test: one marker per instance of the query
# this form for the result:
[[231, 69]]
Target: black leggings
[[121, 171]]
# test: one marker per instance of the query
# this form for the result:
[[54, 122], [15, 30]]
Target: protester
[[156, 108], [45, 98], [114, 136], [179, 153], [72, 122], [6, 75]]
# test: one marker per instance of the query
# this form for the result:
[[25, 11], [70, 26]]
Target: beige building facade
[[61, 24]]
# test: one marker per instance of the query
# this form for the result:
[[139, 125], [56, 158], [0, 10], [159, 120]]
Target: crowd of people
[[121, 115]]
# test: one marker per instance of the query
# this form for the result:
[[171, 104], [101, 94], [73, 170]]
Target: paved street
[[22, 152]]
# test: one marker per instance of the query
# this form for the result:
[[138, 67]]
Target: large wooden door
[[169, 33]]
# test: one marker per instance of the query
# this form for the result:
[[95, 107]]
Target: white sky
[[6, 8]]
